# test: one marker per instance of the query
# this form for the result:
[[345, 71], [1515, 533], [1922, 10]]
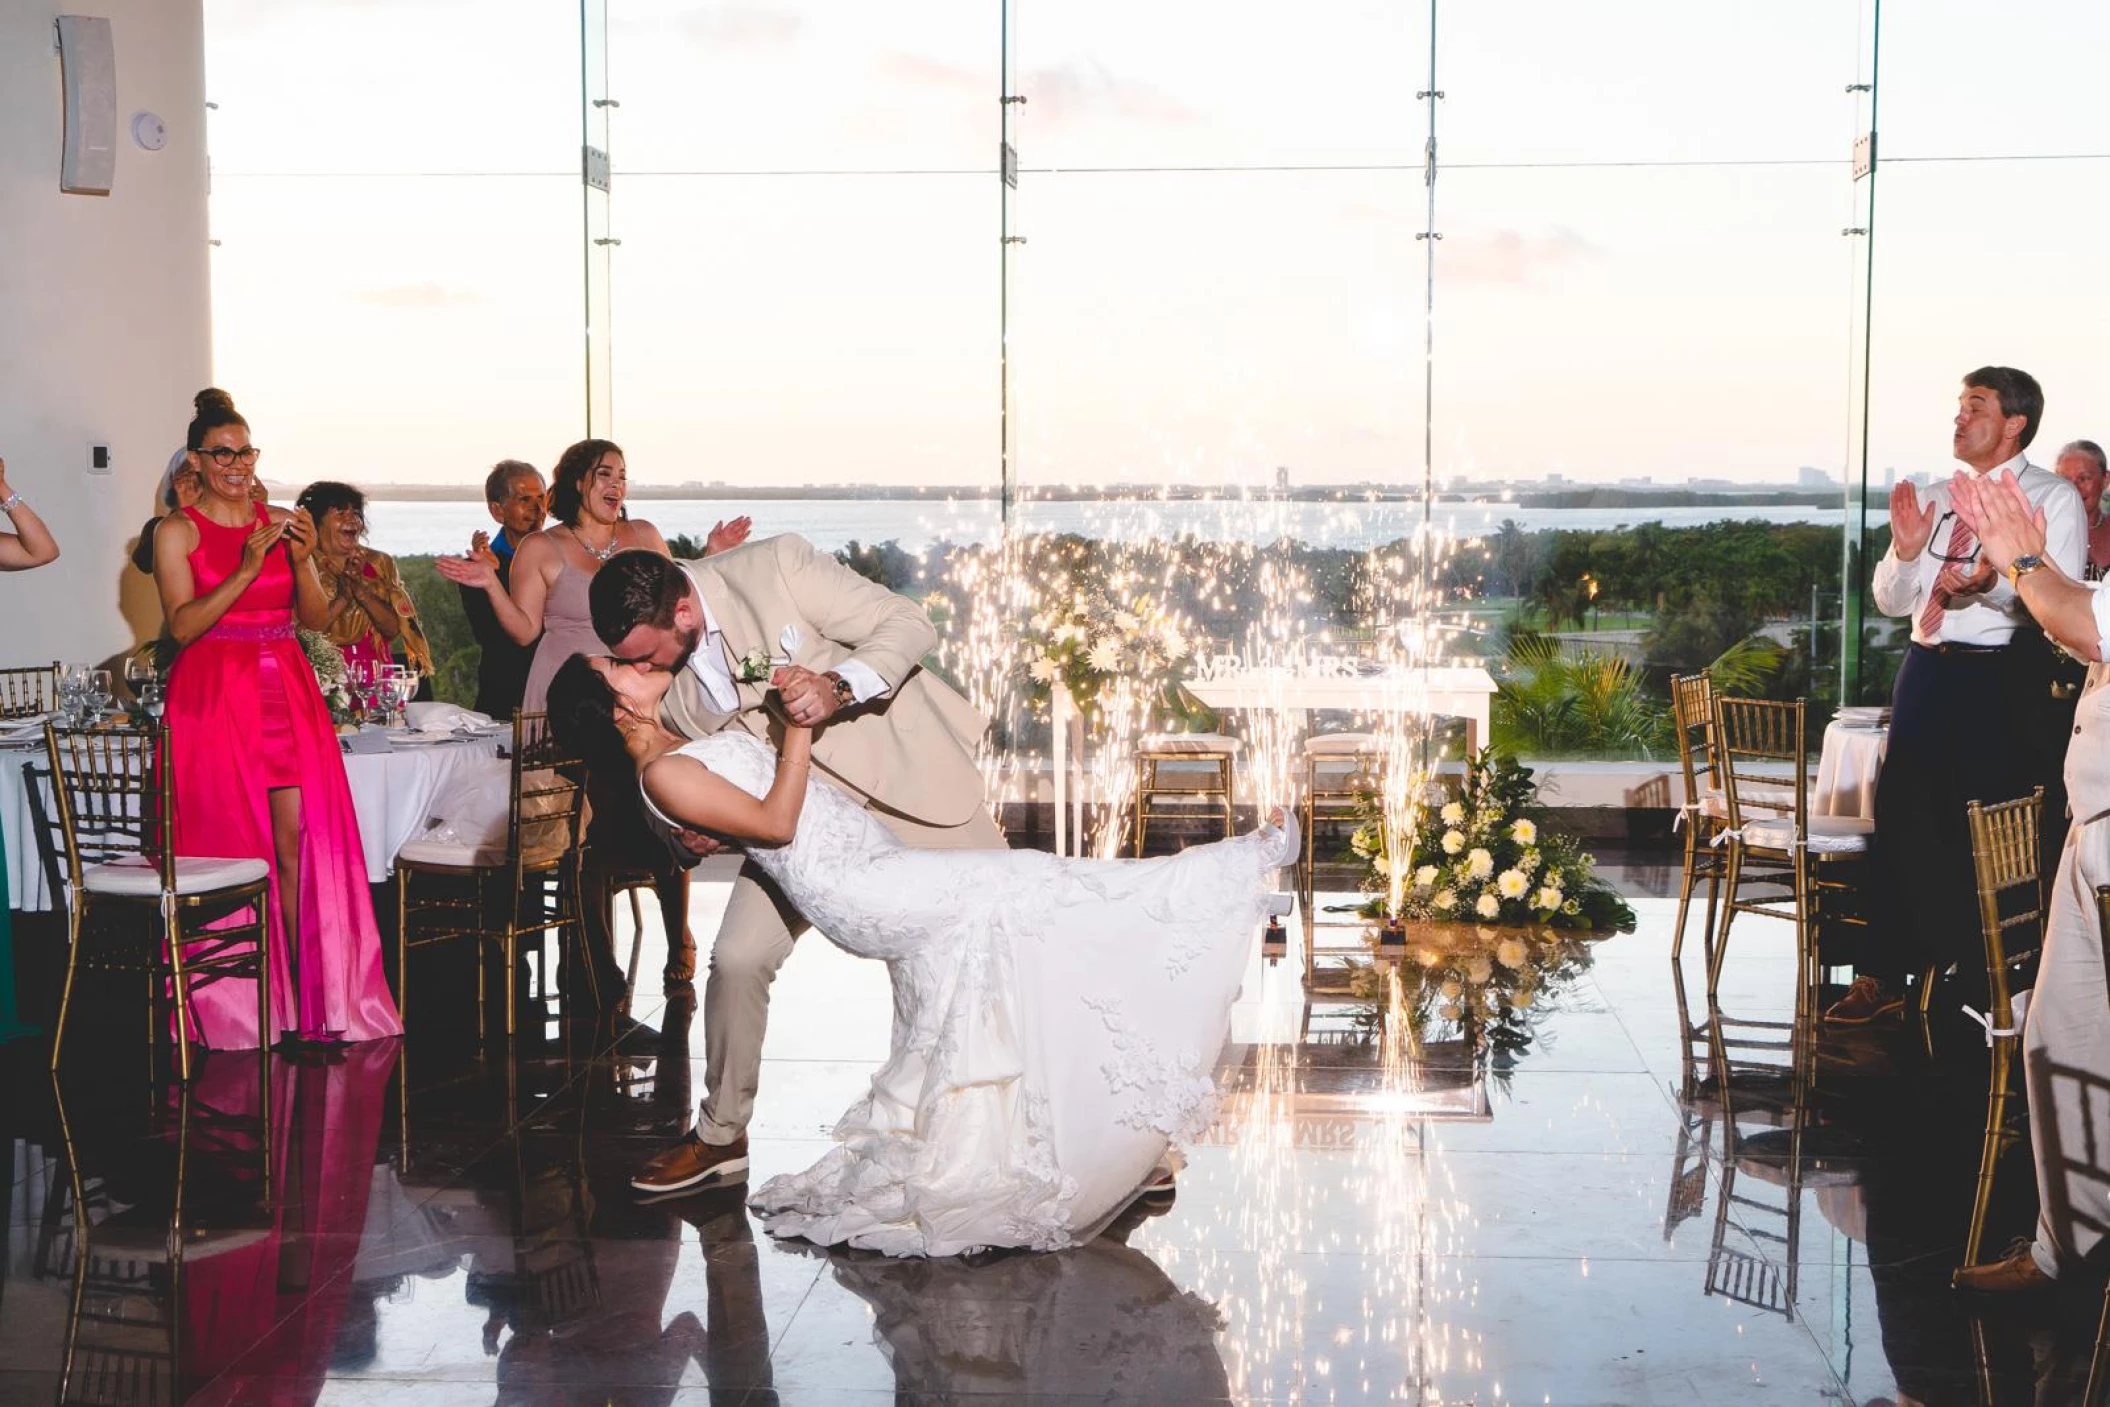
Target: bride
[[1056, 1021]]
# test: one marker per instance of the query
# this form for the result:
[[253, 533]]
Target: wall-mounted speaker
[[88, 63]]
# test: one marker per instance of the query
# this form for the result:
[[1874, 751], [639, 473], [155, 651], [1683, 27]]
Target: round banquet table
[[393, 793], [1847, 769]]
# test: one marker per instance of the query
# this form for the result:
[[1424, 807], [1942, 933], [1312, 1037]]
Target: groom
[[888, 732]]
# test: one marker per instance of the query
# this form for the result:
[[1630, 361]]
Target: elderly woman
[[372, 617], [2083, 465]]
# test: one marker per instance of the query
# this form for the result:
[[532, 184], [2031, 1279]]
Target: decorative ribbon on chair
[[2018, 1007]]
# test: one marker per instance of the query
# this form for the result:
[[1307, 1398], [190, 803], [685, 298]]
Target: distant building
[[1282, 479], [1809, 478]]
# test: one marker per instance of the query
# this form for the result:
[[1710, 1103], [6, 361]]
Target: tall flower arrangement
[[1095, 641], [1488, 858]]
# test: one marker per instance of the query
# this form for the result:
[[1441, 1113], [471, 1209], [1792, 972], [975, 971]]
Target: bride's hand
[[1278, 818]]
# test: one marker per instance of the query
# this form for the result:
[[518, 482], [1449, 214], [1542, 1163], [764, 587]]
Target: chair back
[[2005, 859], [29, 690], [1752, 739], [547, 812], [1692, 714], [115, 800]]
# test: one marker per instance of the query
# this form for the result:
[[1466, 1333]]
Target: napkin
[[443, 717]]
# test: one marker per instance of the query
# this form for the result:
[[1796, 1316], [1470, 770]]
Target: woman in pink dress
[[258, 771]]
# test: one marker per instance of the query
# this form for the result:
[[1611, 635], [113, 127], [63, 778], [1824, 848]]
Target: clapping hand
[[259, 543], [727, 535], [479, 572], [2000, 513], [300, 535], [480, 549], [1911, 526]]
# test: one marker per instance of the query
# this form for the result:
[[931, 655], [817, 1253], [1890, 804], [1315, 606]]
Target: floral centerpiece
[[1094, 641], [331, 675], [1487, 857]]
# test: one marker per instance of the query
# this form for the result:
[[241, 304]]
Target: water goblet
[[153, 699], [102, 692]]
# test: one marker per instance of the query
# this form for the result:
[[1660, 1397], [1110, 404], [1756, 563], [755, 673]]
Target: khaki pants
[[2066, 1058], [759, 928]]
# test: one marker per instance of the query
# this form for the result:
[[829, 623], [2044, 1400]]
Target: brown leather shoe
[[1865, 1002], [2016, 1275], [691, 1166]]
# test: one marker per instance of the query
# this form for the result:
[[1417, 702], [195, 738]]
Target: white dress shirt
[[712, 662], [1902, 588]]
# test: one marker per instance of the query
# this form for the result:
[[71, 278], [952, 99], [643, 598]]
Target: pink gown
[[244, 717]]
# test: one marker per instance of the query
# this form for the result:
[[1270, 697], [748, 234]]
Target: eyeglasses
[[223, 456], [1945, 556]]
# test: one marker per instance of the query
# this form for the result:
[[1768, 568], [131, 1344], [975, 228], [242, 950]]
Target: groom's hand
[[809, 699]]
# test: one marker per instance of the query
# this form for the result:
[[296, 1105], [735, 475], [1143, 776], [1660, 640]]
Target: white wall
[[105, 318]]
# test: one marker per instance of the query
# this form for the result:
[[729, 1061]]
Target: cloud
[[1512, 257], [917, 71], [1085, 88], [739, 24], [418, 297]]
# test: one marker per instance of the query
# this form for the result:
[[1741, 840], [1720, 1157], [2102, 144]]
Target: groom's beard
[[689, 639]]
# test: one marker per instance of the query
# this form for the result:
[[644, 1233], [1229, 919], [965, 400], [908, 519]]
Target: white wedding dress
[[1056, 1022]]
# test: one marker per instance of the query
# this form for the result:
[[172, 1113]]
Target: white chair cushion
[[1199, 744], [1340, 744], [138, 879], [1829, 835], [453, 854]]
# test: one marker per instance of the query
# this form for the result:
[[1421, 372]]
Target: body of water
[[420, 528]]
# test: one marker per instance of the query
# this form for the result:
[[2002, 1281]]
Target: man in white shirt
[[1965, 704], [2066, 1038]]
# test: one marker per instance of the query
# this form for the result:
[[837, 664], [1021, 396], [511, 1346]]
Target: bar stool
[[1178, 774], [1338, 768]]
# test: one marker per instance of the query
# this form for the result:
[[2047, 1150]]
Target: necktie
[[1961, 541]]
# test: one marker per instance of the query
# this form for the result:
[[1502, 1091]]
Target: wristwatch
[[2022, 566], [844, 694]]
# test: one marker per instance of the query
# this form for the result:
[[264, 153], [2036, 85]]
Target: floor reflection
[[1548, 1176]]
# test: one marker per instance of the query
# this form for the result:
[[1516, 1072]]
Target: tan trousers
[[2066, 1058], [759, 929]]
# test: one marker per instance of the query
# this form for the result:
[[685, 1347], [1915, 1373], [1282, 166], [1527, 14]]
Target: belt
[[1948, 647]]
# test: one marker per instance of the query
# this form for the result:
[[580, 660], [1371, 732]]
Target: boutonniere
[[755, 667]]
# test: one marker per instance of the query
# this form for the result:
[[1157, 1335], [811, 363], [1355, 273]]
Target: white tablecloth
[[393, 793], [1846, 772]]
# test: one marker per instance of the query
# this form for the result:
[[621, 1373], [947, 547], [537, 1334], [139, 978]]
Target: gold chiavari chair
[[1180, 773], [498, 896], [1783, 862], [2005, 860], [1704, 812], [116, 805], [29, 690]]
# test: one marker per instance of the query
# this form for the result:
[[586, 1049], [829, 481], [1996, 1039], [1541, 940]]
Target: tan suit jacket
[[912, 750]]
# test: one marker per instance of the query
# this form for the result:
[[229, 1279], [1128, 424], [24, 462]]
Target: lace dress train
[[1056, 1022]]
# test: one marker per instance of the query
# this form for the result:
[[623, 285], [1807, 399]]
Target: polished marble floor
[[1380, 1214]]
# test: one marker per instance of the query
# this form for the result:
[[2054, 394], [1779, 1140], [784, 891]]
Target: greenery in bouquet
[[1487, 986], [1488, 857], [331, 674], [1096, 640]]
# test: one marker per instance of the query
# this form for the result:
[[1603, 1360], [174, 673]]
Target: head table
[[398, 794]]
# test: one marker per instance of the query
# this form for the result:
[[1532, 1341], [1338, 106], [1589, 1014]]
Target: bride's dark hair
[[582, 711]]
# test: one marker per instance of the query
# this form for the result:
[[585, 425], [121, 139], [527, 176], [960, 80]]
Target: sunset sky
[[1641, 269]]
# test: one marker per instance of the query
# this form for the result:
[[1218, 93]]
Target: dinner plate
[[421, 739]]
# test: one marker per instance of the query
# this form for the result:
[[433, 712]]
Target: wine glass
[[359, 680], [102, 692], [74, 682], [402, 685], [153, 699]]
